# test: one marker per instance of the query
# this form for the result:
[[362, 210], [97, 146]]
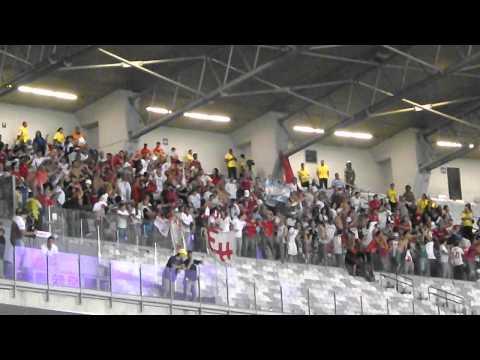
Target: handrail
[[398, 281], [445, 297]]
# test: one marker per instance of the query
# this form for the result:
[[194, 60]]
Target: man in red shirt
[[158, 150], [137, 190], [196, 163], [375, 203], [23, 169], [268, 243], [118, 160], [251, 237], [145, 151]]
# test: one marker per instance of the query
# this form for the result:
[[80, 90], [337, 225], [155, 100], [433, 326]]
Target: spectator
[[392, 197], [50, 248], [238, 226], [123, 215], [467, 222], [231, 162], [59, 138], [191, 277], [350, 175], [23, 135], [304, 176], [457, 262], [323, 173], [174, 265], [337, 183]]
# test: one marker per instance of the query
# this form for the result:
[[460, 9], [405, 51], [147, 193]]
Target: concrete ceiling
[[318, 65]]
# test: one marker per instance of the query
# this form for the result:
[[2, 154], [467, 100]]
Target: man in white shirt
[[49, 248], [195, 199], [457, 262], [432, 258], [124, 189], [225, 223], [38, 160], [122, 222], [59, 195], [159, 179], [99, 207], [231, 188], [187, 224], [17, 233], [238, 226], [356, 201], [444, 257]]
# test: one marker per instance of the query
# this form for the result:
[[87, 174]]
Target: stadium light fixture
[[46, 92], [449, 144], [197, 116], [354, 135], [158, 110], [215, 118], [308, 129]]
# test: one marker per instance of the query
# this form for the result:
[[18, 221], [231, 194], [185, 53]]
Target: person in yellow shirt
[[467, 222], [23, 136], [423, 204], [323, 173], [392, 196], [59, 138], [33, 207], [231, 162], [304, 176], [189, 157]]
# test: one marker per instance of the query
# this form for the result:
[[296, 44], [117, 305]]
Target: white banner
[[221, 245]]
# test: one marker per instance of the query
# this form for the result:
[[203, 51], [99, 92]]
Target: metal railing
[[449, 297], [399, 279], [75, 274]]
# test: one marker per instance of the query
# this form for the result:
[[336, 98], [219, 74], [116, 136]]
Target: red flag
[[287, 170]]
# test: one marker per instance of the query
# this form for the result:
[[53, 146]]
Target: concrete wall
[[211, 147], [47, 121], [114, 120], [265, 139], [401, 150], [469, 174]]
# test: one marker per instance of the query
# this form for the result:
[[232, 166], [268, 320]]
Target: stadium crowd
[[319, 221]]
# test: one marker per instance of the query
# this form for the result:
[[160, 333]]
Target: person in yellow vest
[[323, 173], [23, 136], [423, 203], [467, 222], [392, 196], [59, 138], [231, 162], [304, 176], [189, 157]]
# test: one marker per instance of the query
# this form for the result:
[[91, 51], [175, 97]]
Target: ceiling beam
[[357, 76], [447, 158], [428, 108], [6, 53], [122, 65], [216, 93], [365, 114], [413, 58], [464, 111], [40, 70], [148, 71]]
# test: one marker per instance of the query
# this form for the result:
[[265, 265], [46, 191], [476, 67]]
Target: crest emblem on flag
[[220, 244]]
